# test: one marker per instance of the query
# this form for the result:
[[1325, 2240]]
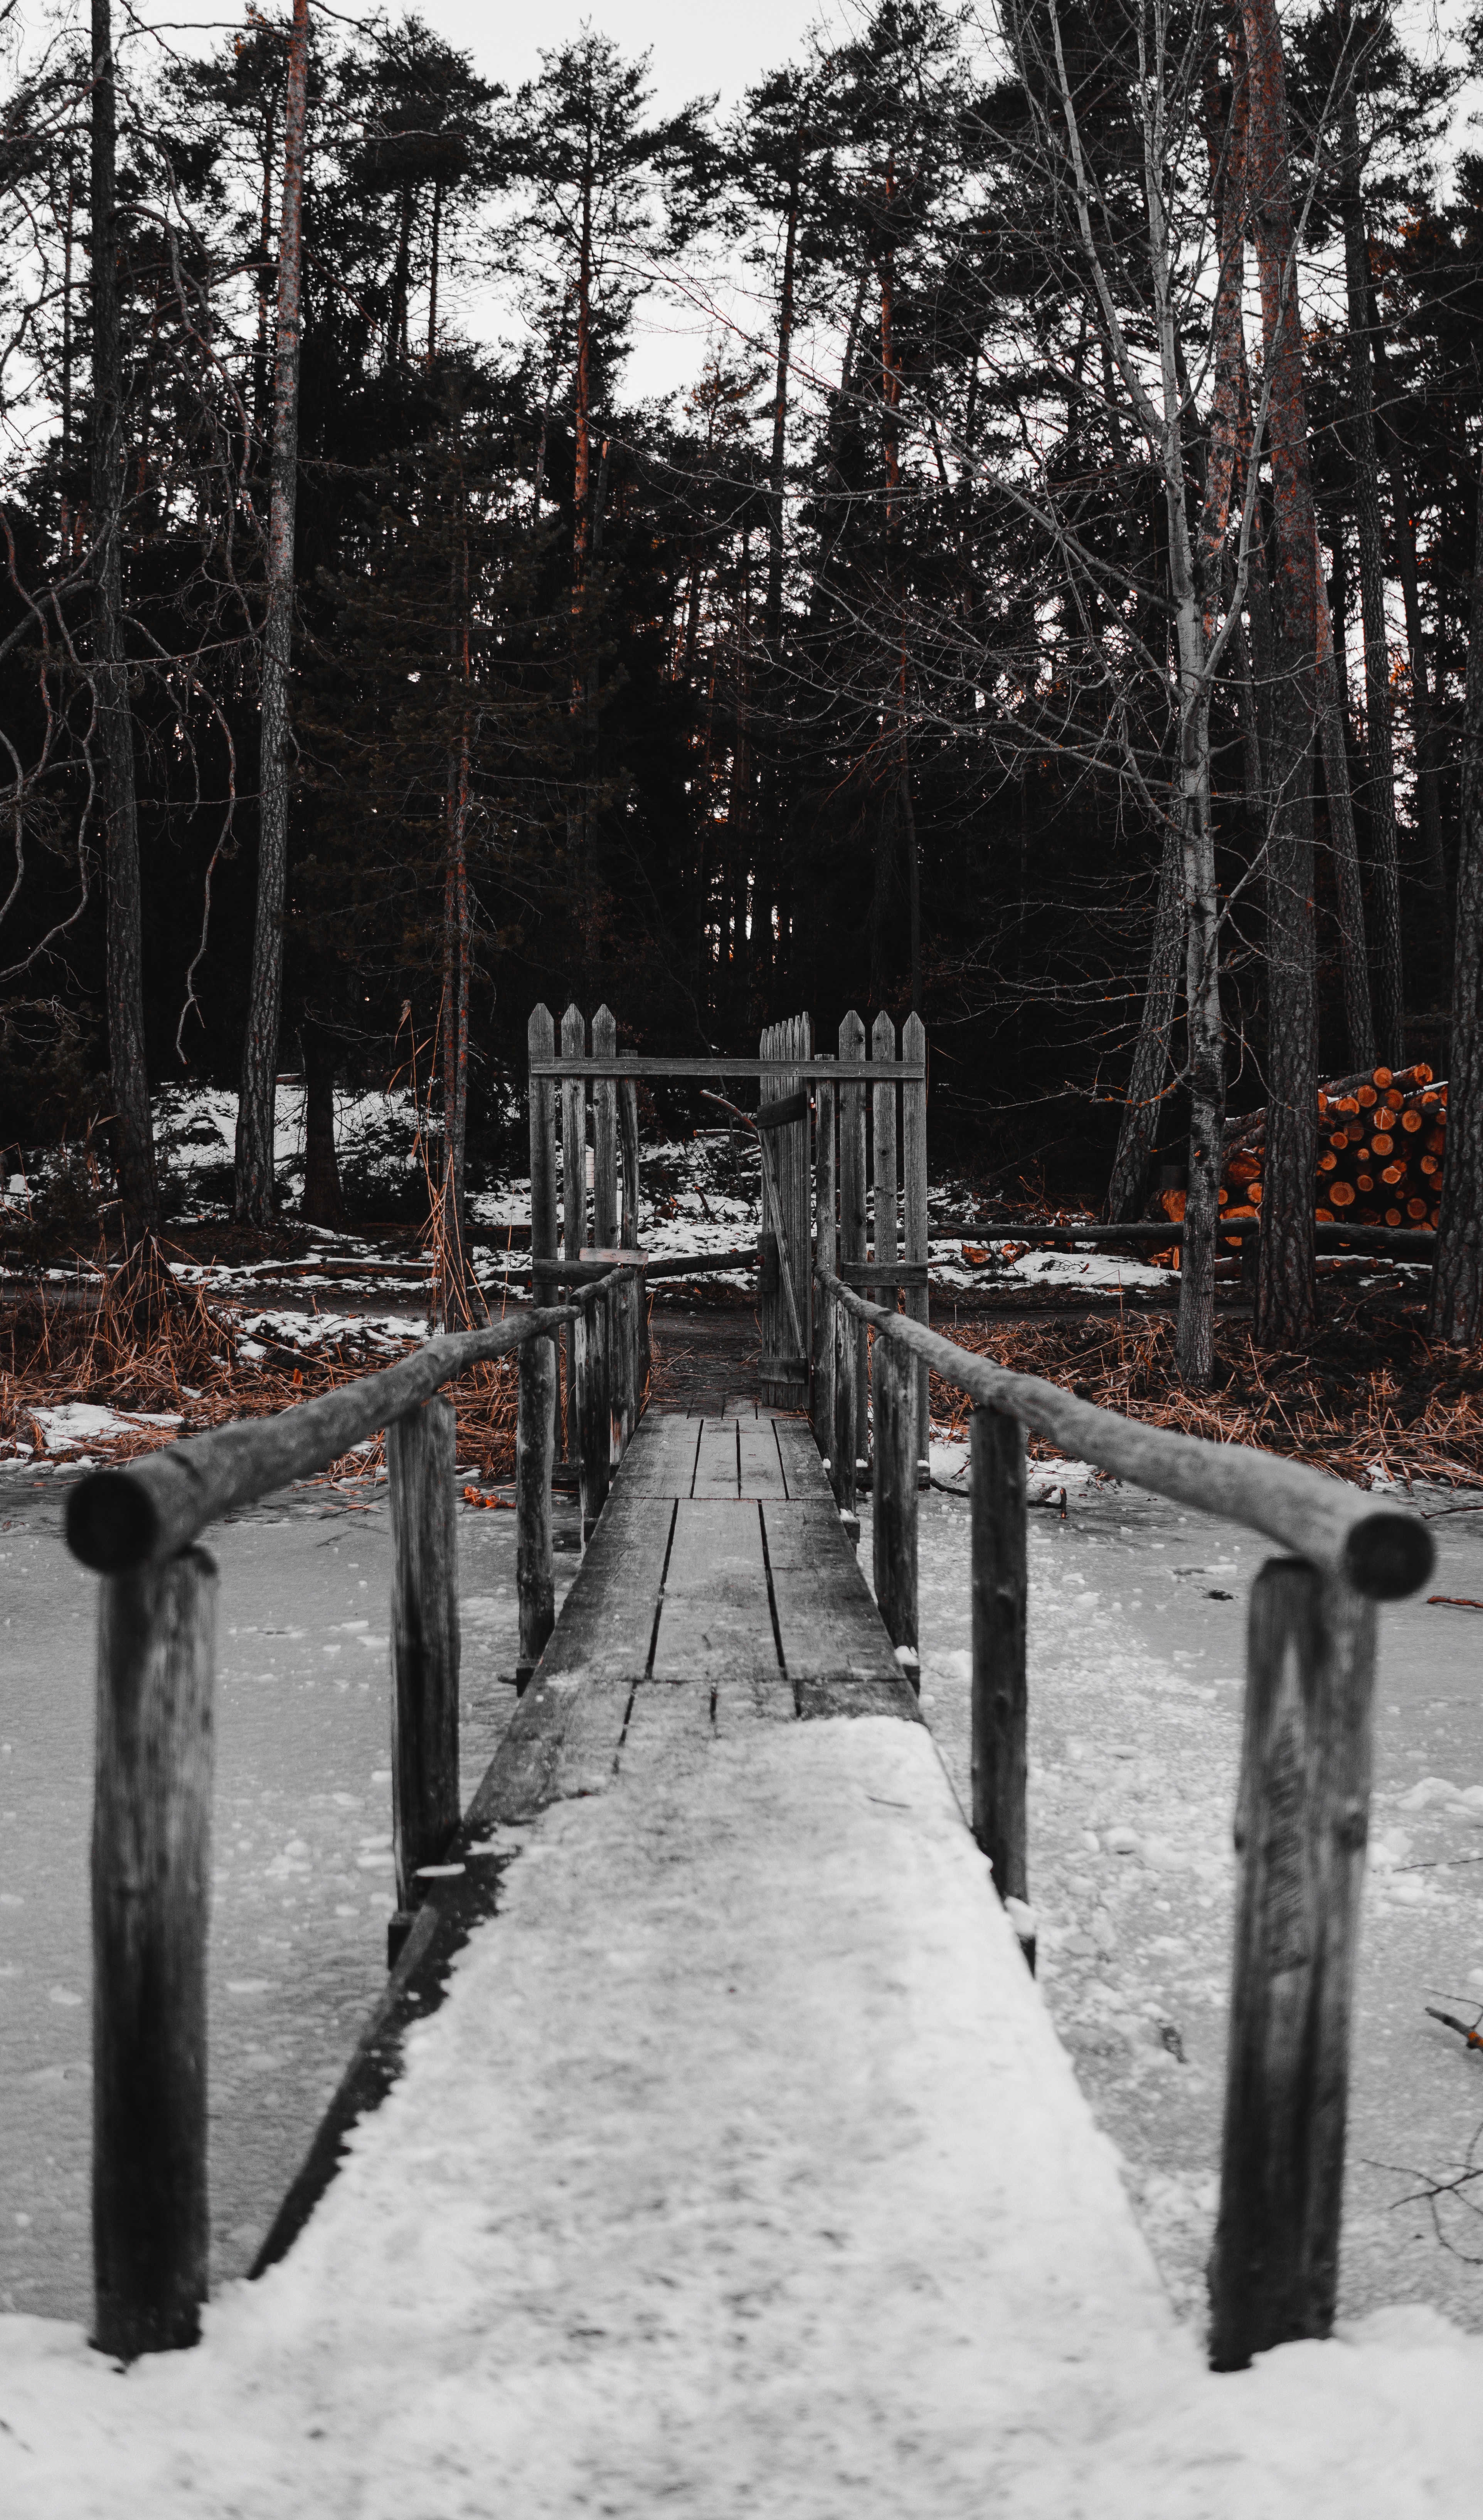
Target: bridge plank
[[661, 1459], [716, 1473], [830, 1627], [607, 1621], [803, 1467], [760, 1467], [717, 1621]]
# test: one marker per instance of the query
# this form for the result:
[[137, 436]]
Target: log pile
[[1382, 1145]]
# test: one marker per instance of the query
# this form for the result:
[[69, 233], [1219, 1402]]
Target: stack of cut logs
[[1382, 1145]]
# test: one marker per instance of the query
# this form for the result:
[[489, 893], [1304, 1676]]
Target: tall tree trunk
[[259, 1058], [1137, 1129], [1380, 797], [433, 251], [774, 623], [454, 1271], [133, 1132], [1404, 543], [64, 519], [1286, 1289], [1354, 961], [324, 1200], [260, 362], [1457, 1279]]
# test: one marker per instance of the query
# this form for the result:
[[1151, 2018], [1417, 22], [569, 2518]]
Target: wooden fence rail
[[151, 1830], [1303, 1802]]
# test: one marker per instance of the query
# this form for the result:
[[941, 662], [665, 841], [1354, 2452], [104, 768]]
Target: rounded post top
[[111, 1521]]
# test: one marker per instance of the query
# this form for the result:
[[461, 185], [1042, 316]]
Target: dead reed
[[1368, 1396], [149, 1348]]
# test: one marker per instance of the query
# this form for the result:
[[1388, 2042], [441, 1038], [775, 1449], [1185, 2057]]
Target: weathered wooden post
[[1301, 1825], [883, 1136], [1000, 1703], [914, 1208], [825, 1256], [628, 1118], [893, 1497], [846, 1416], [850, 1443], [540, 1043], [152, 1898], [534, 1455], [421, 1451], [574, 1197], [592, 1409]]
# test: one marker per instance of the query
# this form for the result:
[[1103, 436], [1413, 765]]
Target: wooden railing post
[[421, 1451], [913, 1213], [534, 1454], [825, 1255], [1301, 1825], [998, 1590], [846, 1414], [593, 1412], [850, 1441], [573, 1200], [893, 1496], [151, 1897]]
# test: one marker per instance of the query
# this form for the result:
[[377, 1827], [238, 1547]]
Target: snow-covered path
[[742, 2173]]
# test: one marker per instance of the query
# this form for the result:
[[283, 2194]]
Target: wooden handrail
[[1382, 1550], [1303, 1807], [149, 1509], [152, 1833]]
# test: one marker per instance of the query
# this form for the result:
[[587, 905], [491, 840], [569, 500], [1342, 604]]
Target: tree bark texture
[[1286, 1293], [1457, 1279], [1352, 959], [1137, 1129], [133, 1130], [1380, 796], [259, 1058]]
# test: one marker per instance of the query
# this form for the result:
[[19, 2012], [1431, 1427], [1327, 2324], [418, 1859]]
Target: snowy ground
[[816, 2225]]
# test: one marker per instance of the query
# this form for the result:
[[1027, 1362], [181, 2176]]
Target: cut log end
[[1388, 1555], [111, 1523]]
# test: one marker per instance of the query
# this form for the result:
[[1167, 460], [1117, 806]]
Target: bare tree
[[259, 1058], [128, 1068]]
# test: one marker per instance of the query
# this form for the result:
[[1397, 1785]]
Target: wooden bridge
[[787, 2009]]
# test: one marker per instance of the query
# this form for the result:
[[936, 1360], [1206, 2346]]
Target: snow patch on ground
[[88, 1421]]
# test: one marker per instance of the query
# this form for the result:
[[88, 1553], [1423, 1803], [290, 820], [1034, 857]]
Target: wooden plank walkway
[[718, 1589], [740, 2170]]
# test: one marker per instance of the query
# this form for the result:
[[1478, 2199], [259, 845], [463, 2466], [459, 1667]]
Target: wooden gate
[[870, 1204], [832, 1187]]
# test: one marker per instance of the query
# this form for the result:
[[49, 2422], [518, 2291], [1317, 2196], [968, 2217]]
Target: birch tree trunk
[[259, 1058], [1285, 1288], [1457, 1279], [133, 1130]]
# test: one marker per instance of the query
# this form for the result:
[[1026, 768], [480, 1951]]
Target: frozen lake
[[301, 1843]]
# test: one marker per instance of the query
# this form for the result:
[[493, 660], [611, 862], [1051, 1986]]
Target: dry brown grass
[[1365, 1394], [149, 1347]]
